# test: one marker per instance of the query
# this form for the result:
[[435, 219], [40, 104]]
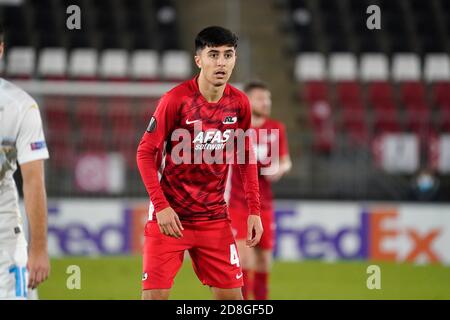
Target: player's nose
[[221, 61]]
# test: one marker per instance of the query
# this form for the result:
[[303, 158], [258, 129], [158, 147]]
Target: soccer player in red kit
[[187, 208], [271, 138]]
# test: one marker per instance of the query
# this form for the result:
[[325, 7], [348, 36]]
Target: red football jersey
[[184, 119], [266, 138]]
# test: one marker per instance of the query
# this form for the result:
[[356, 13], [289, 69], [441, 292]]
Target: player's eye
[[228, 55], [213, 55]]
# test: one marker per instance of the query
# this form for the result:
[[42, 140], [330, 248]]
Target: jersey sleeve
[[161, 125], [249, 170], [30, 141]]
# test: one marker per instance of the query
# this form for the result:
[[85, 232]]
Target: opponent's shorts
[[212, 249], [13, 258], [239, 224]]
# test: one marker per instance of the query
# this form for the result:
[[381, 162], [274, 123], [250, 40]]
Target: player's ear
[[198, 61]]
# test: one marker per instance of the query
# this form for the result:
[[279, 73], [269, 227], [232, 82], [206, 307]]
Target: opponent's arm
[[36, 209]]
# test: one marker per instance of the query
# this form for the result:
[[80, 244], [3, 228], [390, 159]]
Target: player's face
[[260, 101], [1, 50], [216, 64]]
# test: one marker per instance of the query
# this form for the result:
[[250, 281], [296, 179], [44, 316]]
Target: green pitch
[[120, 278]]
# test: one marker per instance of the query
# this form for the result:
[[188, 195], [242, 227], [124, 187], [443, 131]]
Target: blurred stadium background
[[367, 114]]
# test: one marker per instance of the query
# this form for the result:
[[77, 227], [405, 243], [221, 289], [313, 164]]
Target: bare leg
[[226, 294], [155, 294], [263, 260], [247, 259]]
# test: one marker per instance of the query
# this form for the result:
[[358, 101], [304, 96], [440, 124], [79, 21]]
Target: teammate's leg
[[263, 257], [247, 258], [263, 263]]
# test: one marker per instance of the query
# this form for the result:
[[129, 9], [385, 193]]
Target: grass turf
[[120, 278]]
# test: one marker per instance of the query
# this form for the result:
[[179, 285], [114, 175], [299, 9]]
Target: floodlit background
[[367, 114]]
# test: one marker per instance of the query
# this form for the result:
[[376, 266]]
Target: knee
[[246, 262], [227, 294], [264, 263], [155, 294]]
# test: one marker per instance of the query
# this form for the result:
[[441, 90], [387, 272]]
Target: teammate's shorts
[[239, 224], [13, 258], [212, 249]]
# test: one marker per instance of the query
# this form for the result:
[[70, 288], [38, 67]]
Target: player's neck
[[257, 121], [210, 92]]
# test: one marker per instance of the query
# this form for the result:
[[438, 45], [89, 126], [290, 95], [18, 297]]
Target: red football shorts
[[211, 246], [239, 225]]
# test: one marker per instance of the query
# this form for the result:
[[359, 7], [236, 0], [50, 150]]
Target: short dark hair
[[255, 85], [215, 36]]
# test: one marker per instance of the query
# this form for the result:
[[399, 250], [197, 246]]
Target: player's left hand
[[275, 177], [38, 267], [254, 230]]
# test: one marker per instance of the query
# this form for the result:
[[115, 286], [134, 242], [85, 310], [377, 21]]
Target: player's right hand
[[169, 223], [254, 230], [38, 266]]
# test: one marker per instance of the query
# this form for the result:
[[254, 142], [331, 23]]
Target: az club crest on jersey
[[229, 120]]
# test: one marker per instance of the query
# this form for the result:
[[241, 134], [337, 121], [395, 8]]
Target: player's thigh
[[227, 294], [215, 256], [162, 258], [13, 272], [267, 241], [239, 223], [246, 255], [263, 259]]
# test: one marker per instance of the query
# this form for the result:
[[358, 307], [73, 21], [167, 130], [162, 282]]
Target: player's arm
[[160, 127], [31, 152], [249, 174], [36, 208], [285, 163]]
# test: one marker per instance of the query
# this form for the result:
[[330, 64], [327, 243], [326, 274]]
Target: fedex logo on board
[[375, 234], [114, 232]]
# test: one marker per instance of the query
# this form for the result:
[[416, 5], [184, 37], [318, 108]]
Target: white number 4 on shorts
[[234, 258]]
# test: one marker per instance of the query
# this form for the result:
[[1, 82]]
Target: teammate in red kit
[[187, 208], [271, 139]]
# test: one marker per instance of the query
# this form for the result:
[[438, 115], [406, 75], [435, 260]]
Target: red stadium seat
[[385, 117], [120, 118], [61, 152], [348, 91], [120, 113], [380, 91], [412, 92], [321, 121], [91, 131], [314, 91], [57, 116], [444, 118], [418, 117], [354, 123], [441, 93]]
